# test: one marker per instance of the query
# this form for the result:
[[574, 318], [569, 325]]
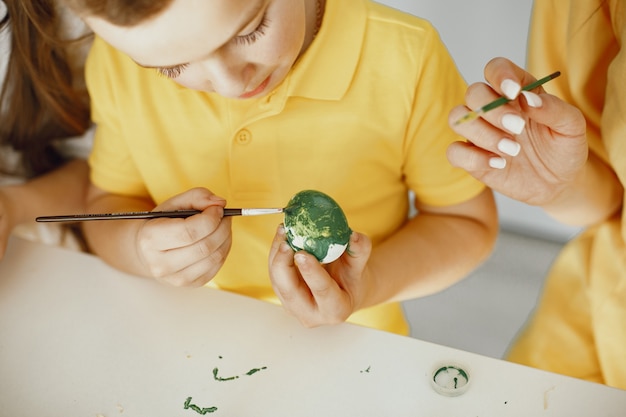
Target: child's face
[[236, 48]]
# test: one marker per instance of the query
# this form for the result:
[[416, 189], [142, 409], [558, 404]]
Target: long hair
[[39, 100], [119, 12]]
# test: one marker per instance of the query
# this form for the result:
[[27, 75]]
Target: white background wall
[[476, 31]]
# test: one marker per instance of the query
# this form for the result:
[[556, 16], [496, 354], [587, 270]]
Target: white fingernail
[[510, 88], [497, 162], [513, 123], [532, 99], [509, 147]]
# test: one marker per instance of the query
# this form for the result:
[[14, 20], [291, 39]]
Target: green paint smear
[[317, 218], [197, 409], [219, 378], [255, 370], [230, 378]]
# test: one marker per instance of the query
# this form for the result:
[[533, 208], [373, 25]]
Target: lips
[[257, 90]]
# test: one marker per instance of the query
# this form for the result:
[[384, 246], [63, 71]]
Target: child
[[572, 163], [257, 100], [43, 100]]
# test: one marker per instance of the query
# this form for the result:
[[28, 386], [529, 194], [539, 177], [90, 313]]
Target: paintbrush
[[154, 214], [503, 100]]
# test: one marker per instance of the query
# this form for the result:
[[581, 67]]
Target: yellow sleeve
[[111, 163], [578, 39], [439, 88]]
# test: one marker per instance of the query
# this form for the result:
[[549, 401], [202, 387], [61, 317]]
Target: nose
[[229, 76]]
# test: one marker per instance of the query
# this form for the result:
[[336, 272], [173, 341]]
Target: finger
[[279, 238], [359, 251], [286, 282], [561, 117], [200, 272], [505, 117], [193, 199], [353, 275], [485, 135], [506, 77], [473, 159], [320, 284], [165, 233], [214, 246], [331, 303]]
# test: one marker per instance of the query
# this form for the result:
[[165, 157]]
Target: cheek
[[287, 41], [286, 35], [194, 79]]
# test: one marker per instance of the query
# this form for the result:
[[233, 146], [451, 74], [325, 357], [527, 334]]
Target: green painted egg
[[314, 222]]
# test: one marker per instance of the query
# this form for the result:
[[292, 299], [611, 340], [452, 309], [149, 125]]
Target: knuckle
[[158, 271], [472, 90], [190, 232]]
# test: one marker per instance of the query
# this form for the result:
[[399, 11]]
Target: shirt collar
[[327, 67]]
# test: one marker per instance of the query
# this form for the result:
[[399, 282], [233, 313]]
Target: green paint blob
[[255, 370], [203, 411], [315, 223], [219, 378]]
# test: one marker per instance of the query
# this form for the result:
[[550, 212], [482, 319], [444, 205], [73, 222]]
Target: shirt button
[[243, 137]]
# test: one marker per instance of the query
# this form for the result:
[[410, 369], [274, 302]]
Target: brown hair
[[119, 12], [39, 100]]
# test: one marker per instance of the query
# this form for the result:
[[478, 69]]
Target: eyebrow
[[245, 22]]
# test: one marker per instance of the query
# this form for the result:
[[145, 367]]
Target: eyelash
[[254, 35], [174, 72]]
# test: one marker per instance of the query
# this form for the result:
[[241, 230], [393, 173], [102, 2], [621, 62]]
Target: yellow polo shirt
[[579, 328], [362, 117]]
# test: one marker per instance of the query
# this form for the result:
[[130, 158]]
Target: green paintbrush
[[503, 100]]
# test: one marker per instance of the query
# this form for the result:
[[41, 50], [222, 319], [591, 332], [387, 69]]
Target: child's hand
[[530, 149], [319, 294], [186, 252]]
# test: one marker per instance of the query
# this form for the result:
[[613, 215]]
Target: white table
[[79, 339]]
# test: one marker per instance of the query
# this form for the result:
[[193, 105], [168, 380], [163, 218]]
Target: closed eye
[[172, 72], [255, 34]]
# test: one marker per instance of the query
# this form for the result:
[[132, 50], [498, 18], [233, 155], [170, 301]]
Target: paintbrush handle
[[153, 215], [503, 100]]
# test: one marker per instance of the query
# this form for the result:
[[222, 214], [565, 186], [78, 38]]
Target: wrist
[[593, 196]]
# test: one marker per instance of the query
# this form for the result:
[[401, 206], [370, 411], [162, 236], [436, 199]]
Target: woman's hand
[[320, 294], [531, 149]]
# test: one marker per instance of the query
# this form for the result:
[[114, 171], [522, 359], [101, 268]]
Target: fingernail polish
[[532, 99], [497, 162], [513, 123], [509, 147], [510, 88]]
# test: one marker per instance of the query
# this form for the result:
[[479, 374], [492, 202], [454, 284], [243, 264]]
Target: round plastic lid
[[450, 380]]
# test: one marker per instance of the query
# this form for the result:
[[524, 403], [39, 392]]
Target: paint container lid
[[450, 380]]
